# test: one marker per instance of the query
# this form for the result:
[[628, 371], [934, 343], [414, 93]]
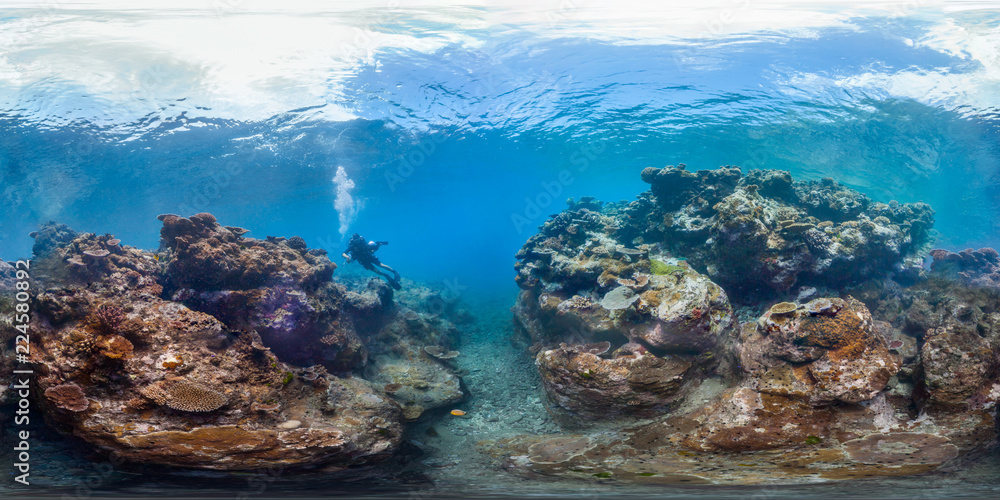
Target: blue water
[[457, 147]]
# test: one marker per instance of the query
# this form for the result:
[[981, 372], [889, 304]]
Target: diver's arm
[[346, 257]]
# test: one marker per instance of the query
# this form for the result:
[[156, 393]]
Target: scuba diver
[[364, 253]]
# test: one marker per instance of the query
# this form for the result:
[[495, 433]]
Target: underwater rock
[[86, 261], [284, 293], [901, 448], [823, 388], [676, 187], [826, 351], [652, 454], [205, 256], [419, 382], [823, 400], [412, 345], [665, 304], [436, 300], [745, 419], [948, 333], [8, 277], [198, 410], [959, 364], [585, 386], [763, 231], [51, 235], [581, 287], [974, 267], [156, 382]]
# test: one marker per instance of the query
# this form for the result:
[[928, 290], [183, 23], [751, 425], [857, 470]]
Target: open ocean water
[[453, 131]]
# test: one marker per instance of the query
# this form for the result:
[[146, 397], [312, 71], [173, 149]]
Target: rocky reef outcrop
[[979, 268], [618, 331], [763, 231], [888, 370], [823, 351], [220, 351], [276, 287]]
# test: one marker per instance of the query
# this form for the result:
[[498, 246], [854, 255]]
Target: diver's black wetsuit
[[364, 252]]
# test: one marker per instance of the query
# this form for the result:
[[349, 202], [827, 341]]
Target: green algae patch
[[660, 268]]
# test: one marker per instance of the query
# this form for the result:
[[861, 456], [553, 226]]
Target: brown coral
[[193, 397], [783, 308], [154, 393], [844, 334], [68, 397], [116, 347], [265, 406], [137, 404], [439, 352], [81, 342], [97, 254]]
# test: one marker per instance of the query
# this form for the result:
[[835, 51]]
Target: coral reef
[[284, 293], [68, 397], [580, 286], [946, 329], [8, 276], [7, 281], [590, 387], [419, 382], [224, 352], [974, 267], [814, 384], [826, 351], [763, 231]]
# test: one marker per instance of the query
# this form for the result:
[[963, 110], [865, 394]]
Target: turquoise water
[[463, 127], [448, 119]]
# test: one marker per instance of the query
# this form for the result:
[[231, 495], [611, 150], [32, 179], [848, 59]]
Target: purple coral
[[110, 317], [975, 267]]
